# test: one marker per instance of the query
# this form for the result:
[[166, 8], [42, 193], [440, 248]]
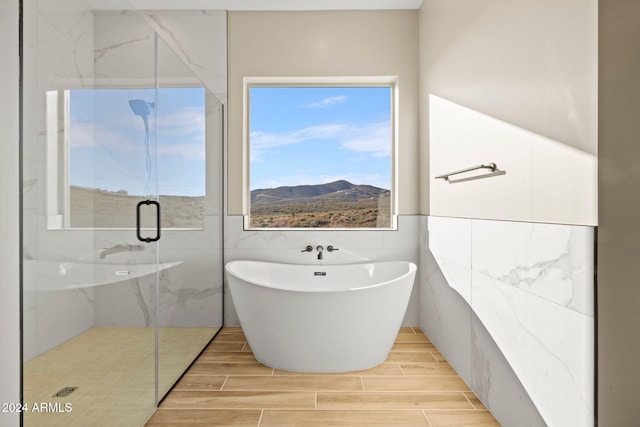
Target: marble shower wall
[[58, 55], [355, 246], [524, 293]]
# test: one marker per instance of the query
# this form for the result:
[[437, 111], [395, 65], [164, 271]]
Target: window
[[121, 146], [320, 155]]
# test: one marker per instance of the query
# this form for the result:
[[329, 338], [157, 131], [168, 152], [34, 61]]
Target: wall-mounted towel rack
[[491, 166]]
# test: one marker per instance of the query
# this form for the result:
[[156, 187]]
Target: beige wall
[[515, 83], [9, 213], [619, 213], [326, 43]]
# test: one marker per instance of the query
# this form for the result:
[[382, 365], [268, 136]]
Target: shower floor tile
[[113, 369], [415, 386]]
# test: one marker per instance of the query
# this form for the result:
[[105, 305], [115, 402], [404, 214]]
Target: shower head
[[140, 107]]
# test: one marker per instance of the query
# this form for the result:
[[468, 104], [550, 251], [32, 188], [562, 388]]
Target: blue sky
[[314, 135], [107, 141], [309, 135]]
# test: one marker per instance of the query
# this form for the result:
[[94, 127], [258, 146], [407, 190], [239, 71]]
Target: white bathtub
[[321, 318]]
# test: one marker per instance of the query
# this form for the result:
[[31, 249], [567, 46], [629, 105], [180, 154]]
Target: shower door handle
[[138, 206]]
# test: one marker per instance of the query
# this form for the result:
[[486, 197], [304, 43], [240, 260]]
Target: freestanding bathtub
[[320, 318]]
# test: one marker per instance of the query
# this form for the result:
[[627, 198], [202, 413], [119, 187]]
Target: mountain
[[338, 191]]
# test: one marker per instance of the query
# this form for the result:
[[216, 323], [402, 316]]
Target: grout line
[[469, 400], [346, 392], [253, 408], [401, 370], [427, 418], [224, 383]]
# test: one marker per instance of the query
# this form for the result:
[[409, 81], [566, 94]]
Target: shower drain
[[66, 391]]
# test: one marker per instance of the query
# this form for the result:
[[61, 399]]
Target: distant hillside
[[337, 191], [95, 208], [338, 204]]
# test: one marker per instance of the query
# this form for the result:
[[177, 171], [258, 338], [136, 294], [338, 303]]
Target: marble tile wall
[[58, 55], [529, 288]]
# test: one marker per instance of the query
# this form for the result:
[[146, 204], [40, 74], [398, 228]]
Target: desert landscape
[[338, 204], [95, 208]]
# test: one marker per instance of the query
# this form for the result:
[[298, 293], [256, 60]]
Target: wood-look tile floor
[[415, 386]]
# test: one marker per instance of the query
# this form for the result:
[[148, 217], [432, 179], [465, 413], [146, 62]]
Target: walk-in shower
[[114, 121]]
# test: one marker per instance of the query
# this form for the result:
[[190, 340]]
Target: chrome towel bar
[[491, 166]]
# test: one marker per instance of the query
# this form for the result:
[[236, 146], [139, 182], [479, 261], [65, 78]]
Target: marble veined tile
[[450, 244], [531, 286], [549, 347], [184, 33], [552, 261]]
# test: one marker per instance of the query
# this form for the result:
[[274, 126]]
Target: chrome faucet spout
[[319, 249]]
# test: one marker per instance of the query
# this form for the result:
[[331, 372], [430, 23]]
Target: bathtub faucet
[[320, 250]]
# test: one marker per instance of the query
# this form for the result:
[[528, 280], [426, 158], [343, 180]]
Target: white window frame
[[330, 81]]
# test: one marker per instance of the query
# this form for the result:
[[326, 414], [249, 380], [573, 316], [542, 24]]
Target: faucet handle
[[330, 248], [309, 248]]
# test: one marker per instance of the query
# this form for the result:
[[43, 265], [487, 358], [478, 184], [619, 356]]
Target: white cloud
[[373, 139], [180, 134], [187, 121], [326, 102], [189, 151], [86, 135], [370, 138], [262, 141]]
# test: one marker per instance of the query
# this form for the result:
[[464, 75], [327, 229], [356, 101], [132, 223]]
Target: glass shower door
[[90, 265], [122, 214], [189, 127]]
